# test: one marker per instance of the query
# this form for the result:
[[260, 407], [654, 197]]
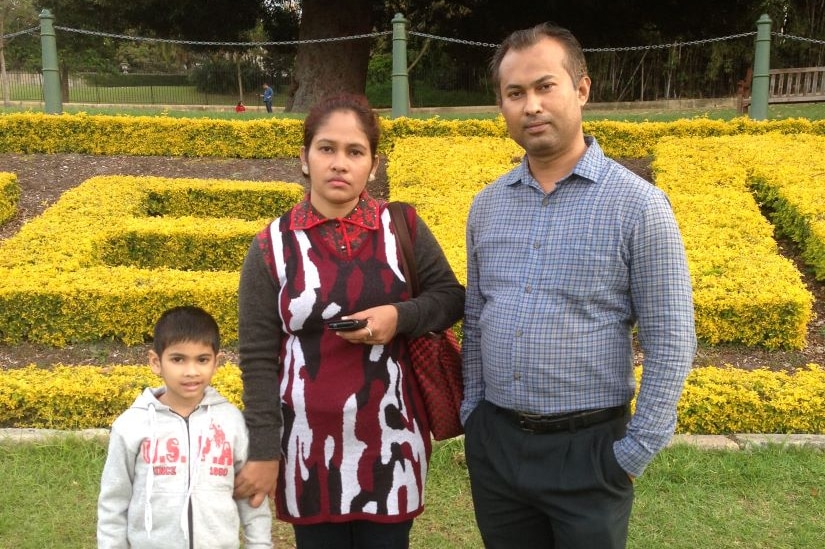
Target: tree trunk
[[330, 67], [64, 82], [4, 78], [237, 58]]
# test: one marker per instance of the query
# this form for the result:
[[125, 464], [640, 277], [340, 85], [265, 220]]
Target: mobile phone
[[345, 325]]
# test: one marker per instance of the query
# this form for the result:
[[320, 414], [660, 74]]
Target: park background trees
[[695, 64]]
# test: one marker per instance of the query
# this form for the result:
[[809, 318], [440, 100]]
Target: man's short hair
[[574, 61]]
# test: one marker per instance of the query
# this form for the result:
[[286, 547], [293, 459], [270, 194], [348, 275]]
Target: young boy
[[173, 454]]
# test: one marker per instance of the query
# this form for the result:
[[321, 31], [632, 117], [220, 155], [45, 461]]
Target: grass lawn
[[772, 497]]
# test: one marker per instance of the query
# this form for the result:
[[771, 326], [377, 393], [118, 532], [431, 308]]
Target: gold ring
[[367, 328]]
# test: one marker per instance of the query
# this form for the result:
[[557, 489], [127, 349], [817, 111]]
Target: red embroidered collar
[[344, 234], [365, 214]]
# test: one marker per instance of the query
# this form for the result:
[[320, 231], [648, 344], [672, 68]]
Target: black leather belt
[[535, 423]]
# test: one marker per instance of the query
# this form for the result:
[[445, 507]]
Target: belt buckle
[[524, 419]]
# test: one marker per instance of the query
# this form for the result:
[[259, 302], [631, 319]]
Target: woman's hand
[[256, 480], [382, 323]]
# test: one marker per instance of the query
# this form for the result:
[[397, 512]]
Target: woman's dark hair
[[574, 61], [346, 102], [183, 324]]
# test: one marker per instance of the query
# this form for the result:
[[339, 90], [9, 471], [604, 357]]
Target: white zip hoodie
[[160, 463]]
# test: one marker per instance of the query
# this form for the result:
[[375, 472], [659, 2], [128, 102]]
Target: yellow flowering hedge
[[440, 176], [96, 265], [120, 257], [790, 179], [9, 196], [714, 400], [732, 400], [281, 137], [84, 397], [744, 290], [639, 139], [28, 133]]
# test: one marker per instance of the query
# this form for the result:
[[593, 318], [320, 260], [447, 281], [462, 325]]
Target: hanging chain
[[672, 45], [35, 30], [223, 44], [627, 48], [18, 33], [801, 39], [455, 40]]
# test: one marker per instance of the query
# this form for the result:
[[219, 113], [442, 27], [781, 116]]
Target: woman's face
[[340, 162]]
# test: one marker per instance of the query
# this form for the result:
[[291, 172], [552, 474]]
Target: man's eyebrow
[[536, 82]]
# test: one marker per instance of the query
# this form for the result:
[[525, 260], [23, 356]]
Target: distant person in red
[[239, 107]]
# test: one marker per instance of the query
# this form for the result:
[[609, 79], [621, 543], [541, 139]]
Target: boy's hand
[[256, 480]]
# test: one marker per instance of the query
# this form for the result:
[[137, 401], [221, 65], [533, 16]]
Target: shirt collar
[[365, 214], [587, 168]]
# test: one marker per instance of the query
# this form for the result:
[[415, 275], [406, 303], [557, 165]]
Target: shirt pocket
[[582, 272]]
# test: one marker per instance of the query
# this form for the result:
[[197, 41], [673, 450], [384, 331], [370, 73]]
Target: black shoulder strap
[[402, 237]]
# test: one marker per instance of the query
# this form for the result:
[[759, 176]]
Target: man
[[267, 97], [566, 254]]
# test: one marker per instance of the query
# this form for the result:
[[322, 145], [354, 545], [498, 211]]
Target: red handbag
[[436, 356]]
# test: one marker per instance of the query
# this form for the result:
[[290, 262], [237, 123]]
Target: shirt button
[[545, 201], [519, 333], [517, 376], [528, 288], [537, 245]]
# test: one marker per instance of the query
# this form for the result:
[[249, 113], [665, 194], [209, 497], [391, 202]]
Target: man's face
[[539, 101]]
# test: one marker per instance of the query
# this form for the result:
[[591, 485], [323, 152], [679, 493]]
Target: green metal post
[[761, 69], [51, 72], [400, 79]]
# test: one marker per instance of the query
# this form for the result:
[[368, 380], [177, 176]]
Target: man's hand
[[256, 480]]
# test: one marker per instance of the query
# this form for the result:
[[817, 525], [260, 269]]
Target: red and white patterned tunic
[[354, 447]]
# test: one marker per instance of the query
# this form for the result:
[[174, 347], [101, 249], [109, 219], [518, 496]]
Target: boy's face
[[187, 369]]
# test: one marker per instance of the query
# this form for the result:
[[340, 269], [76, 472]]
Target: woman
[[339, 409]]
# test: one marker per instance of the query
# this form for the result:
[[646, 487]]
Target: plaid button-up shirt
[[557, 282]]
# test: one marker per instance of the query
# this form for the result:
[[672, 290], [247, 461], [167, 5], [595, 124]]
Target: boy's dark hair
[[185, 323]]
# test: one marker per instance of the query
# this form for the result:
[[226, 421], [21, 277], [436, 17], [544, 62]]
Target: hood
[[149, 397]]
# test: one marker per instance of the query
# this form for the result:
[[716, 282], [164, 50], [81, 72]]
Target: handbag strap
[[402, 237]]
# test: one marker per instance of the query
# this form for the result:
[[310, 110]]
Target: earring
[[305, 169], [371, 177]]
